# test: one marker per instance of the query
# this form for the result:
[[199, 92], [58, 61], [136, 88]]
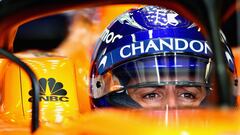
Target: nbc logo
[[50, 90]]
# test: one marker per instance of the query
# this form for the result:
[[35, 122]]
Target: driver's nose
[[171, 99]]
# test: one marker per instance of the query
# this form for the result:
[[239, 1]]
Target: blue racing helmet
[[150, 47]]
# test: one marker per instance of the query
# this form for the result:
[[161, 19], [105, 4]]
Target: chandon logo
[[55, 93]]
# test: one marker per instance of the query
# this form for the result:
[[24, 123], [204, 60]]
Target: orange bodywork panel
[[64, 97], [109, 13], [168, 122], [139, 122], [61, 91], [236, 53]]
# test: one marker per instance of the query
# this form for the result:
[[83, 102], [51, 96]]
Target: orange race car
[[48, 92]]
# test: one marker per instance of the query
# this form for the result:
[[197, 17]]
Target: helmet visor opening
[[157, 70]]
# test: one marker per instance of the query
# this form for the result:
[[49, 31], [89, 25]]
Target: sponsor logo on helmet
[[109, 37], [229, 58], [166, 45], [126, 18], [55, 93], [154, 46], [103, 61], [160, 16]]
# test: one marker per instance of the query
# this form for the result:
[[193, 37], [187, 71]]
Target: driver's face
[[169, 95]]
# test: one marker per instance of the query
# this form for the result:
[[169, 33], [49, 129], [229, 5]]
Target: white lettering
[[198, 46], [133, 38], [229, 58], [169, 45], [109, 37], [151, 45], [134, 48], [104, 34], [207, 48], [166, 44], [150, 33], [122, 49], [179, 41], [117, 36]]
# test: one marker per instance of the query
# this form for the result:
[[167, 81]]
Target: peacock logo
[[50, 90]]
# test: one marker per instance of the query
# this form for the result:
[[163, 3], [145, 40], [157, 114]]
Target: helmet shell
[[148, 31]]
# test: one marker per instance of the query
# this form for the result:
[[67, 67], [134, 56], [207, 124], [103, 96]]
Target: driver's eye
[[188, 96], [151, 96]]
